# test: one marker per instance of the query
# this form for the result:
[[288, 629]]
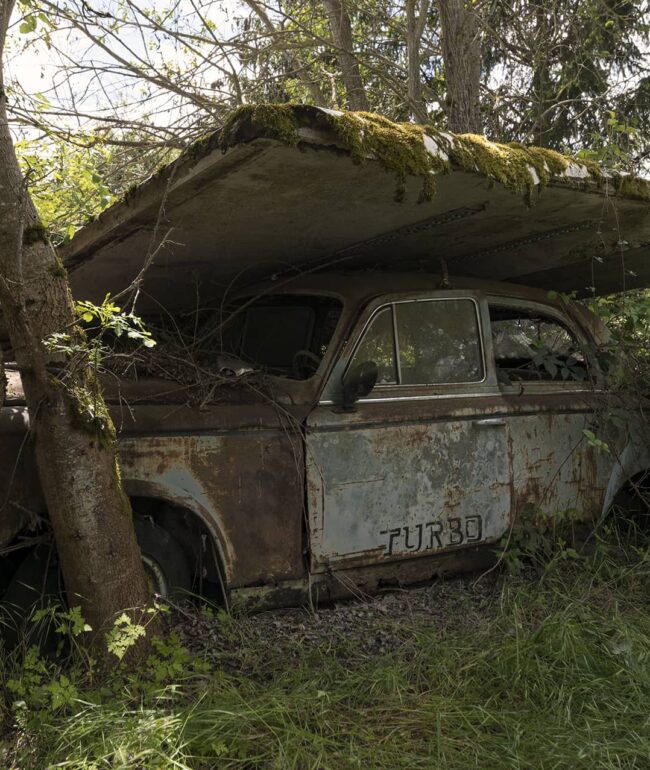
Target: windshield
[[285, 335]]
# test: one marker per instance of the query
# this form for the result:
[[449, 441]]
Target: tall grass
[[552, 670]]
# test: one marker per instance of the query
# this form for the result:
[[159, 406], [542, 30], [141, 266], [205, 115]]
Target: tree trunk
[[461, 52], [291, 59], [341, 29], [74, 438], [414, 29], [541, 80]]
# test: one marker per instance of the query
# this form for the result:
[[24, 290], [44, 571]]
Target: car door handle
[[489, 422]]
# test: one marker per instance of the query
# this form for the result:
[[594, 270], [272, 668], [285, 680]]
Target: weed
[[551, 670]]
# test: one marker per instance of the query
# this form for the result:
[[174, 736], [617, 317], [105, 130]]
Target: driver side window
[[424, 342]]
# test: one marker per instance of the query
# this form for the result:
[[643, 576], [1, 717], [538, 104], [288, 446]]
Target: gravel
[[352, 630]]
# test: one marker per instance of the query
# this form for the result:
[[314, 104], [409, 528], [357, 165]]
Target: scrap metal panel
[[378, 492]]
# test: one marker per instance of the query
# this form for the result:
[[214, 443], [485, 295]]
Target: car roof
[[354, 286]]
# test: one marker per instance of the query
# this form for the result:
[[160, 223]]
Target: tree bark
[[414, 28], [74, 438], [461, 52], [341, 29]]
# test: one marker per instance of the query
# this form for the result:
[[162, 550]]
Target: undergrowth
[[553, 671]]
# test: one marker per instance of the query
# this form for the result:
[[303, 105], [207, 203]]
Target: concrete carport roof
[[287, 188]]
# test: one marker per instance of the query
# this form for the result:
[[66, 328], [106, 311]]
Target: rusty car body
[[280, 482], [369, 416]]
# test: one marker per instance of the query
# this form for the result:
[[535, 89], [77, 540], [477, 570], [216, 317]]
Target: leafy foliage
[[66, 183], [570, 64], [72, 182], [109, 317], [123, 636], [627, 357]]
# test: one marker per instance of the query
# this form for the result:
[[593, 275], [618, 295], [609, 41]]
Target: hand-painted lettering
[[413, 546], [473, 529], [433, 535], [455, 531], [435, 528], [392, 534]]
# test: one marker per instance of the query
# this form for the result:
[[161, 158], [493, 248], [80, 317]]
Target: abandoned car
[[363, 415]]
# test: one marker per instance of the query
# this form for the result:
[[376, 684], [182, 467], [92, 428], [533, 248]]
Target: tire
[[166, 564], [36, 584], [631, 507]]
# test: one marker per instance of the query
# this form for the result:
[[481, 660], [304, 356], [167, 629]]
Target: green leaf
[[28, 25]]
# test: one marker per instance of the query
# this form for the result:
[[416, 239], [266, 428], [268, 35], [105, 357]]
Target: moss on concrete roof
[[408, 149]]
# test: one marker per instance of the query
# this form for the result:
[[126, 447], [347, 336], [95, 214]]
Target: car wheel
[[36, 584], [165, 563]]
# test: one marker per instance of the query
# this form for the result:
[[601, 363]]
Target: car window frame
[[396, 392], [593, 380]]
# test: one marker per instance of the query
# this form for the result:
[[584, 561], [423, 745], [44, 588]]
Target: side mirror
[[358, 382]]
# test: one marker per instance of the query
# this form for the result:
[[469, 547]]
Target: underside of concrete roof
[[286, 188]]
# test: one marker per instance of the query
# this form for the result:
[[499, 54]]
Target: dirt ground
[[361, 628]]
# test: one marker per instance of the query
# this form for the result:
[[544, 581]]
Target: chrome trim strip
[[396, 349], [432, 396]]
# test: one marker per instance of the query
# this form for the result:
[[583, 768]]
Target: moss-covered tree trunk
[[461, 52], [74, 439]]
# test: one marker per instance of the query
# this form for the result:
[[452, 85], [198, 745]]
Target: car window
[[530, 345], [284, 335], [378, 346], [438, 343]]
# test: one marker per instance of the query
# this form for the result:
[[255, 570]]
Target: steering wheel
[[310, 362]]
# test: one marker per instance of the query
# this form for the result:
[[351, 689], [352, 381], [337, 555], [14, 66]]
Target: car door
[[420, 465], [554, 410]]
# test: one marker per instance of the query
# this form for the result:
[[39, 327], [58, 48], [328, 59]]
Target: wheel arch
[[630, 465], [166, 494]]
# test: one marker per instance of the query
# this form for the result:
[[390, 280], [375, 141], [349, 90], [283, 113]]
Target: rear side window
[[533, 346], [424, 342]]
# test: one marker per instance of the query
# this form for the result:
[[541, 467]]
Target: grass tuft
[[547, 670]]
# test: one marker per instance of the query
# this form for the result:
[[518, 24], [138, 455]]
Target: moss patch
[[400, 148], [92, 414], [57, 268], [633, 187], [518, 168], [36, 233], [83, 397], [275, 121]]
